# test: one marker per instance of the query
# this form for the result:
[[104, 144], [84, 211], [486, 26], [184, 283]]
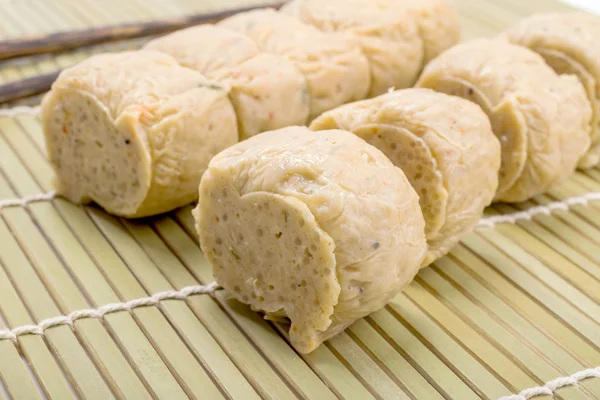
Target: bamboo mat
[[34, 17], [510, 308], [26, 67]]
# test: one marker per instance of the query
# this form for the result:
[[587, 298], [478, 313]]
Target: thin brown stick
[[68, 40], [27, 87]]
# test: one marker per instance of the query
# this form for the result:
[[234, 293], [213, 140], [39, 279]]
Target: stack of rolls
[[261, 70], [134, 131], [322, 225]]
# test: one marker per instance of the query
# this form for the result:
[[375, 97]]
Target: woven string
[[154, 300], [27, 199], [550, 387], [545, 209], [488, 222], [11, 112]]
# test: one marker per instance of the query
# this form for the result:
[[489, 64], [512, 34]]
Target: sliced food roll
[[444, 145], [134, 131], [568, 43], [542, 119], [389, 36], [336, 70], [267, 91], [318, 227]]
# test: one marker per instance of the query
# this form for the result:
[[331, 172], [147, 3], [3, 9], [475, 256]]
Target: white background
[[588, 5]]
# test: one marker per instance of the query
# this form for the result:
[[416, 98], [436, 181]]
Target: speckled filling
[[93, 160]]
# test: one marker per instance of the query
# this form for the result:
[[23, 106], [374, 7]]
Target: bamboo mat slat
[[33, 347], [510, 307]]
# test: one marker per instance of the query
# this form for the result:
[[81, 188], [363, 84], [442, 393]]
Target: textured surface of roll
[[134, 131], [438, 23], [335, 68], [206, 48], [316, 226], [523, 98], [267, 91], [389, 37], [568, 43], [444, 145]]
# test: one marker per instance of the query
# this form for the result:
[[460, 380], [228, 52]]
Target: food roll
[[438, 22], [134, 131], [206, 48], [317, 227]]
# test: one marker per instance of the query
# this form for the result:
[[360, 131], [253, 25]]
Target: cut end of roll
[[93, 158], [271, 254]]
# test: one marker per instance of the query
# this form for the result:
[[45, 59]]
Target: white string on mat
[[547, 209], [488, 222], [550, 387], [23, 201], [11, 112], [154, 300]]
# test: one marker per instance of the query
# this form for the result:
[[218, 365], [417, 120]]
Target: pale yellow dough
[[267, 91], [541, 119], [134, 131], [316, 226], [444, 145], [206, 48], [335, 68], [389, 36], [569, 44]]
